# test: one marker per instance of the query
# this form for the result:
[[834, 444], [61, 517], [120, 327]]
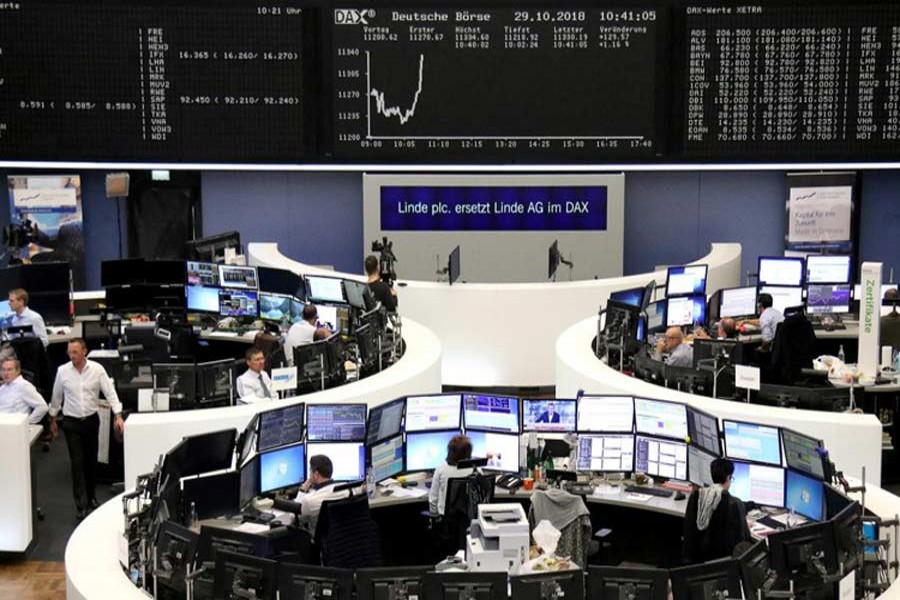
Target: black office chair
[[346, 534], [793, 349], [464, 494], [33, 357]]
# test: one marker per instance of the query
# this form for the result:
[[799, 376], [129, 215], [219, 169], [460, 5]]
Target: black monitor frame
[[386, 583], [847, 527], [213, 495], [313, 407], [312, 582], [761, 283], [692, 293], [315, 300], [748, 460], [691, 409], [371, 447], [725, 570], [263, 570], [784, 449], [293, 484], [277, 281], [450, 585], [380, 408], [654, 581], [548, 586], [787, 547], [176, 545], [280, 414], [200, 460], [453, 266], [756, 573]]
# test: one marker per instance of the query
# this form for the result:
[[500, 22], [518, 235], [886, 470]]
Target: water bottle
[[193, 519], [370, 483], [841, 354]]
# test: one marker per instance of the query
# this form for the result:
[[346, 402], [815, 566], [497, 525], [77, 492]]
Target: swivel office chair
[[346, 534], [464, 494], [793, 349]]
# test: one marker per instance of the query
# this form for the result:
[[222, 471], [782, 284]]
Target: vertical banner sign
[[869, 319], [47, 209], [821, 214]]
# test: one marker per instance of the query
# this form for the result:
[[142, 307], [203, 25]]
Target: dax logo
[[353, 16]]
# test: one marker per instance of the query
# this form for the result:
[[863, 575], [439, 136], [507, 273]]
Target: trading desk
[[16, 493]]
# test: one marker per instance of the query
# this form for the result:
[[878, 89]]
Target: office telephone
[[510, 481]]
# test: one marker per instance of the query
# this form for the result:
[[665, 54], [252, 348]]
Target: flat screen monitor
[[249, 486], [755, 569], [453, 267], [659, 457], [164, 272], [737, 302], [699, 463], [278, 281], [53, 306], [632, 297], [780, 271], [238, 303], [348, 458], [491, 413], [213, 451], [501, 449], [280, 427], [426, 451], [805, 495], [533, 586], [424, 413], [791, 552], [802, 453], [175, 547], [355, 292], [203, 299], [706, 581], [783, 297], [313, 582], [297, 307], [828, 269], [4, 308], [336, 422], [454, 585], [234, 276], [327, 317], [640, 583], [242, 576], [682, 311], [609, 453], [548, 415], [274, 307], [282, 468], [703, 429], [213, 496], [57, 276], [391, 583], [760, 483], [128, 271], [752, 442], [686, 280], [385, 420], [324, 289], [828, 299], [655, 417], [387, 458], [204, 274], [857, 290], [656, 317], [606, 413]]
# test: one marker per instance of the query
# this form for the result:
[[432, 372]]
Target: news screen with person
[[548, 415]]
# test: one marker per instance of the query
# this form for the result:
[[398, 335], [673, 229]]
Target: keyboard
[[650, 491], [829, 327], [580, 489]]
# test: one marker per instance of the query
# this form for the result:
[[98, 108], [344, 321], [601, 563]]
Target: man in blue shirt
[[22, 315]]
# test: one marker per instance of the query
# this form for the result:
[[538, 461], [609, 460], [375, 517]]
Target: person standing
[[383, 292], [76, 391]]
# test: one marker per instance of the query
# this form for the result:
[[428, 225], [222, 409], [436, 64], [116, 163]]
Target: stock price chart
[[523, 84], [199, 81]]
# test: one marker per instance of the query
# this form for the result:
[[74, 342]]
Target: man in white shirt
[[18, 395], [254, 385], [77, 391], [769, 318], [317, 488], [304, 331], [22, 315]]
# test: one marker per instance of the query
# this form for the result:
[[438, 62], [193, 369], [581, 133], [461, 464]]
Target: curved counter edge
[[149, 435], [504, 334]]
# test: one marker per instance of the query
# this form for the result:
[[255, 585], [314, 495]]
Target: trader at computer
[[548, 416], [459, 448], [726, 329], [317, 488], [304, 331], [254, 385], [22, 315], [768, 320], [679, 353], [17, 395], [381, 290], [76, 391], [715, 521]]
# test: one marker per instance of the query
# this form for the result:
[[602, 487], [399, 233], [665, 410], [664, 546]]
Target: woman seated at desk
[[459, 448]]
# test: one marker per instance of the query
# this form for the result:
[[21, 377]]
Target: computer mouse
[[680, 496]]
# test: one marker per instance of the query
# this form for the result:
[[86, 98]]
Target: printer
[[498, 539]]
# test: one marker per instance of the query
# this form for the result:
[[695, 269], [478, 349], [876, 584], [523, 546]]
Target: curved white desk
[[148, 435], [503, 334], [853, 440]]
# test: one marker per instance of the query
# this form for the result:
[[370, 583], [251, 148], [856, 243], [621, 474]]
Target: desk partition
[[15, 473]]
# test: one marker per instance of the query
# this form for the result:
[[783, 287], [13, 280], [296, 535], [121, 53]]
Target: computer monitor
[[425, 413], [501, 449], [213, 496], [552, 259], [728, 351], [39, 277], [387, 458], [238, 303], [633, 296], [336, 422], [660, 457], [280, 427], [348, 458], [453, 585], [491, 413], [247, 440], [215, 381], [203, 274], [327, 316], [274, 307], [800, 554], [4, 308], [737, 302], [311, 582], [202, 299], [804, 495], [427, 450], [234, 276], [699, 463], [773, 270], [282, 468], [755, 572], [682, 311], [639, 583], [241, 576], [127, 271], [605, 453], [752, 442], [205, 452], [828, 299], [548, 415], [656, 317], [828, 269], [816, 398], [803, 453], [391, 583], [218, 539], [453, 266], [175, 549], [759, 483], [707, 581], [548, 586], [849, 528], [703, 431], [164, 272], [278, 281], [783, 297], [686, 280], [385, 420], [324, 289], [656, 417], [606, 413], [356, 293], [249, 485], [857, 290]]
